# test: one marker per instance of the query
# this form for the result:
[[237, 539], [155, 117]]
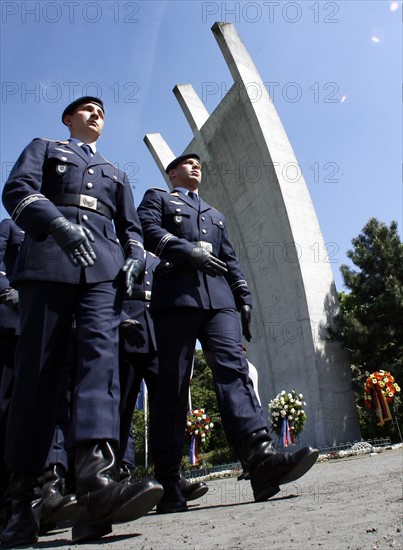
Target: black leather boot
[[173, 500], [192, 490], [101, 500], [125, 473], [56, 508], [269, 469], [5, 506], [23, 525]]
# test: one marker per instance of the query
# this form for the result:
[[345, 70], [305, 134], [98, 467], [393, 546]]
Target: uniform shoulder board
[[158, 189], [58, 141]]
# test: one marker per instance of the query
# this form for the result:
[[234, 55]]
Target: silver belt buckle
[[147, 295], [207, 246], [86, 201]]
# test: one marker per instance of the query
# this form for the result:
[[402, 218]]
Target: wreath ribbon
[[286, 434], [381, 406], [193, 451]]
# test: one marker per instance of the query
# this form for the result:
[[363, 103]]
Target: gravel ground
[[349, 503]]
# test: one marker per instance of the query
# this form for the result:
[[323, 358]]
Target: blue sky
[[334, 70]]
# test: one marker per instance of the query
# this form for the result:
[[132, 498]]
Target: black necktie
[[193, 196], [87, 150]]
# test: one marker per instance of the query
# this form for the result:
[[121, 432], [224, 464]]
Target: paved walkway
[[350, 503]]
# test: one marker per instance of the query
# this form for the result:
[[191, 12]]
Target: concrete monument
[[251, 174]]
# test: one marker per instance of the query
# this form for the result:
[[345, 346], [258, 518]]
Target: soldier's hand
[[131, 332], [132, 269], [246, 317], [205, 262], [9, 297], [74, 240]]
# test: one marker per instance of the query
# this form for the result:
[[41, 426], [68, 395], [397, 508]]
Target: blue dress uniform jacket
[[10, 241], [44, 178], [173, 224]]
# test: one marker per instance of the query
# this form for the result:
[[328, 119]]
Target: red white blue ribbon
[[286, 434], [193, 451]]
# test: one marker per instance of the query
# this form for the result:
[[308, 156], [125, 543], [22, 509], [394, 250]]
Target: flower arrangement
[[385, 381], [379, 390], [198, 424], [288, 416], [198, 428]]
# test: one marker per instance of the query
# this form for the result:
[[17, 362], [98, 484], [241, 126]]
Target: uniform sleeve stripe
[[26, 202], [161, 245], [239, 283], [133, 242]]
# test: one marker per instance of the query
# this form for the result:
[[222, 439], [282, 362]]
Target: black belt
[[82, 201], [143, 295]]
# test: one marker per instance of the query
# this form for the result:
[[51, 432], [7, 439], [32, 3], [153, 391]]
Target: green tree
[[370, 324]]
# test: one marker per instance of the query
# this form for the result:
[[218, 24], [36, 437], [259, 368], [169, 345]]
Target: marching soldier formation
[[80, 279]]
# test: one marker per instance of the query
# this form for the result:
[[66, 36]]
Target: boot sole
[[133, 510], [197, 493], [138, 506], [299, 469], [63, 514], [266, 491], [171, 509], [271, 487]]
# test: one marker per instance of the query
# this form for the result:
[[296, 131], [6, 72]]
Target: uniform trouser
[[8, 344], [220, 336], [47, 311], [134, 367], [58, 454]]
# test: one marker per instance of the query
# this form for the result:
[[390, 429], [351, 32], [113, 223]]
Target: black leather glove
[[132, 270], [9, 297], [205, 262], [74, 240], [130, 331], [246, 318]]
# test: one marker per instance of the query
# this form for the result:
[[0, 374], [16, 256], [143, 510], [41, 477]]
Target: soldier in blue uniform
[[198, 288], [56, 507], [10, 240], [138, 361], [82, 250]]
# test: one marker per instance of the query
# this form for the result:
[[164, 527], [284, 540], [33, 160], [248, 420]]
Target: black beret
[[180, 159], [69, 110]]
